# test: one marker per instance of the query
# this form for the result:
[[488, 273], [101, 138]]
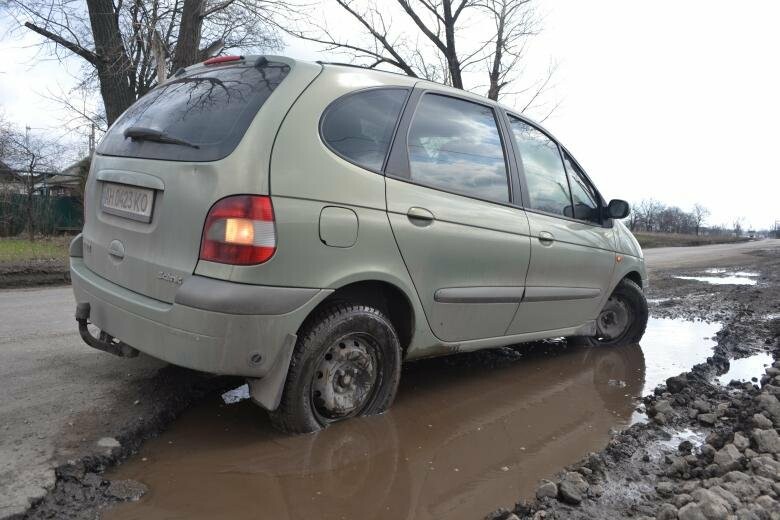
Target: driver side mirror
[[618, 209]]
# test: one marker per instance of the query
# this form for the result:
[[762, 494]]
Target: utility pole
[[92, 140]]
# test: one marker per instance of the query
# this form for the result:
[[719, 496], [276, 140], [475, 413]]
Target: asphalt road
[[60, 397], [57, 393]]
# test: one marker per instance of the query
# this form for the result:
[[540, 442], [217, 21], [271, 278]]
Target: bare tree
[[653, 216], [700, 214], [122, 42], [515, 21], [439, 50], [737, 226], [648, 211], [30, 157]]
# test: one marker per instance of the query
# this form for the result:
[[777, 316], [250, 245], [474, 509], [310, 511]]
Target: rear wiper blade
[[152, 134]]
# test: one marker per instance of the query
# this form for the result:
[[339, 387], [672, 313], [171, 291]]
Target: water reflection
[[466, 434], [673, 346], [747, 368], [721, 280], [720, 276]]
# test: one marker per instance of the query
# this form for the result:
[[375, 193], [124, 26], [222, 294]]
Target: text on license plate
[[127, 201]]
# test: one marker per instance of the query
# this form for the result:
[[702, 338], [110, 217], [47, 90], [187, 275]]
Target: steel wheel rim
[[345, 377], [614, 319]]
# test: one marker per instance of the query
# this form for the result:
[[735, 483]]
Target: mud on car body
[[311, 226]]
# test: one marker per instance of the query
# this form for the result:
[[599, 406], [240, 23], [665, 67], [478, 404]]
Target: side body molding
[[479, 295], [551, 294]]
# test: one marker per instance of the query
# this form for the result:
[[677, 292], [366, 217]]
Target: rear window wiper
[[152, 134]]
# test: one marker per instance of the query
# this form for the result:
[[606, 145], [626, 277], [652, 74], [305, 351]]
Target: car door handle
[[546, 238], [420, 214]]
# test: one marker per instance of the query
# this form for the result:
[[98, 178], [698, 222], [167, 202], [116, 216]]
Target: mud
[[474, 432], [34, 274]]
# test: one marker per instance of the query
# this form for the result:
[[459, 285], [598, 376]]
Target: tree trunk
[[113, 65], [188, 43], [495, 69], [453, 64]]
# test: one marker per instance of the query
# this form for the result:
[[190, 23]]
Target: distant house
[[66, 183], [6, 174], [9, 183]]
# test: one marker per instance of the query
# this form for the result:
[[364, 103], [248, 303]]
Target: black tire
[[630, 295], [323, 334]]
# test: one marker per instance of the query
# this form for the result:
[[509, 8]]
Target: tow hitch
[[105, 342]]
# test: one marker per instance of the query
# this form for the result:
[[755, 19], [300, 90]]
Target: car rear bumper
[[205, 329]]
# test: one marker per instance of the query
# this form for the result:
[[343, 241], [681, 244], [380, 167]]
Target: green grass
[[650, 240], [21, 250]]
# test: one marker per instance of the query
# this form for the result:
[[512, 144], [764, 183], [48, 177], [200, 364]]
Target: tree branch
[[88, 55], [381, 38], [424, 28], [216, 8]]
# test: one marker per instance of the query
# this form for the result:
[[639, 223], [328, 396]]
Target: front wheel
[[346, 363], [623, 319]]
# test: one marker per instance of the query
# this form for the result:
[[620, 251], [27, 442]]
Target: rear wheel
[[623, 319], [347, 363]]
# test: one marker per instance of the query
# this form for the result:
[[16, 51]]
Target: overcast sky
[[678, 101]]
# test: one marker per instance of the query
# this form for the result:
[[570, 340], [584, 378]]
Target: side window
[[360, 126], [548, 189], [583, 195], [455, 145]]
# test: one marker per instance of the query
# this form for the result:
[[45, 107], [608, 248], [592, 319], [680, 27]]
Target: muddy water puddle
[[466, 434], [746, 369]]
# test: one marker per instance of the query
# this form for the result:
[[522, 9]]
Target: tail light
[[239, 230]]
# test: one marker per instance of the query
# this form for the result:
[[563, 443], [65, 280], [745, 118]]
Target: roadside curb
[[79, 483], [28, 278]]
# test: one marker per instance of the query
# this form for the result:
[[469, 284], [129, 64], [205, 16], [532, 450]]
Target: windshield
[[210, 108]]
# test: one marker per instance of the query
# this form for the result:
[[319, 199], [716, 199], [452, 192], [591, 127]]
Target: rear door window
[[548, 188], [455, 145], [359, 127], [210, 108]]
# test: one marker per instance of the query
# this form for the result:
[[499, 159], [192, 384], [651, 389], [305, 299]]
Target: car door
[[450, 203], [572, 248]]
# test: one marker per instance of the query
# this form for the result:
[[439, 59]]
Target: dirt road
[[64, 401], [715, 255]]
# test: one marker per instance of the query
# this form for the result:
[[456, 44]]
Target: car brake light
[[239, 230], [222, 59]]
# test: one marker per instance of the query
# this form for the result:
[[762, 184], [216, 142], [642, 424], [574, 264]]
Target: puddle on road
[[466, 435], [719, 276], [695, 437], [721, 280], [746, 368], [674, 346]]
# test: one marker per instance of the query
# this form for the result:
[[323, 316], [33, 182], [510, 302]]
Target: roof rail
[[356, 66]]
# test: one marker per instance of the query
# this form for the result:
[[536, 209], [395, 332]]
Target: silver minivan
[[311, 226]]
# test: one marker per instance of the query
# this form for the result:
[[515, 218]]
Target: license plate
[[127, 201]]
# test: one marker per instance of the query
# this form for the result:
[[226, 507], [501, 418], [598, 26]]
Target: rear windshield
[[210, 108]]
